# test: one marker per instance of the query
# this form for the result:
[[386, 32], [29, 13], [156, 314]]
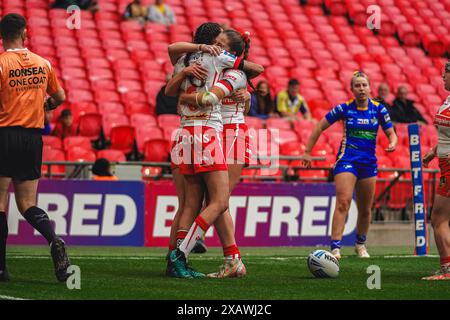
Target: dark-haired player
[[25, 80], [235, 141], [208, 169]]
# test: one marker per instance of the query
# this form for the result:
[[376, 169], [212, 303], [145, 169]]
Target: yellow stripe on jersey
[[349, 102], [343, 145]]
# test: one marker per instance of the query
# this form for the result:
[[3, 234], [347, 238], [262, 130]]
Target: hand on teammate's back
[[196, 70], [240, 96], [211, 49]]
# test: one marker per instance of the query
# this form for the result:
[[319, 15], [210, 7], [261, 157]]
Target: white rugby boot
[[361, 251]]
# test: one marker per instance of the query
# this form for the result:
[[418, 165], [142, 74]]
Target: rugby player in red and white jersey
[[205, 34], [440, 216], [236, 141], [202, 161]]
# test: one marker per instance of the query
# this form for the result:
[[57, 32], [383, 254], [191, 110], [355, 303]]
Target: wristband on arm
[[49, 105]]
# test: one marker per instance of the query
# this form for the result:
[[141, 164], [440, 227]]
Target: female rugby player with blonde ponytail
[[440, 216], [356, 164]]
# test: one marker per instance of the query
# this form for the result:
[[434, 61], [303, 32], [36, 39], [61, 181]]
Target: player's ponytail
[[246, 38], [239, 45]]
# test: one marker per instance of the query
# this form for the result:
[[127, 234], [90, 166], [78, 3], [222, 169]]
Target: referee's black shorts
[[20, 153]]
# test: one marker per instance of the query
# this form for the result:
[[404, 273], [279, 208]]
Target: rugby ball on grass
[[323, 264]]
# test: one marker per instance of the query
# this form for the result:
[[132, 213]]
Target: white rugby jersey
[[442, 122], [230, 81], [204, 116]]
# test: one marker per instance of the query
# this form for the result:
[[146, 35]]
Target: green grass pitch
[[273, 273]]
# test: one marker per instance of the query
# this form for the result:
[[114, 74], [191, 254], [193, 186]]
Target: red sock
[[231, 252], [171, 247], [445, 260], [181, 234]]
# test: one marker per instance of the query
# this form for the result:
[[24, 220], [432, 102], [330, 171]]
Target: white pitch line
[[208, 258], [10, 298], [410, 256]]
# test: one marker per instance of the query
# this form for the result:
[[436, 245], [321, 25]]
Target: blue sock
[[335, 244], [360, 239]]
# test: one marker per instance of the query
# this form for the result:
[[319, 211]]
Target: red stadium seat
[[278, 123], [169, 133], [146, 133], [80, 108], [293, 148], [330, 160], [122, 138], [82, 84], [112, 120], [156, 150], [80, 96], [106, 96], [282, 136], [138, 107], [111, 155], [96, 74], [77, 141], [254, 122], [81, 155], [313, 175], [134, 96], [321, 149], [49, 154], [138, 120], [90, 125], [111, 107], [171, 120], [52, 141], [74, 72]]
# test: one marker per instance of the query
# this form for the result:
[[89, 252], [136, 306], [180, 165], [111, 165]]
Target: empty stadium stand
[[112, 69]]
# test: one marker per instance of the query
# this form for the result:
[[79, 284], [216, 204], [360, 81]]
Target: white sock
[[196, 232]]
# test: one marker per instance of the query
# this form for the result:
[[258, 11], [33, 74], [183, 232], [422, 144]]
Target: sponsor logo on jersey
[[229, 76], [363, 134], [228, 54], [202, 116], [27, 78], [363, 121]]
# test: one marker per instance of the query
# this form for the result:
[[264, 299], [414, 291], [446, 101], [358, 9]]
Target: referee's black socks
[[38, 218], [3, 237]]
